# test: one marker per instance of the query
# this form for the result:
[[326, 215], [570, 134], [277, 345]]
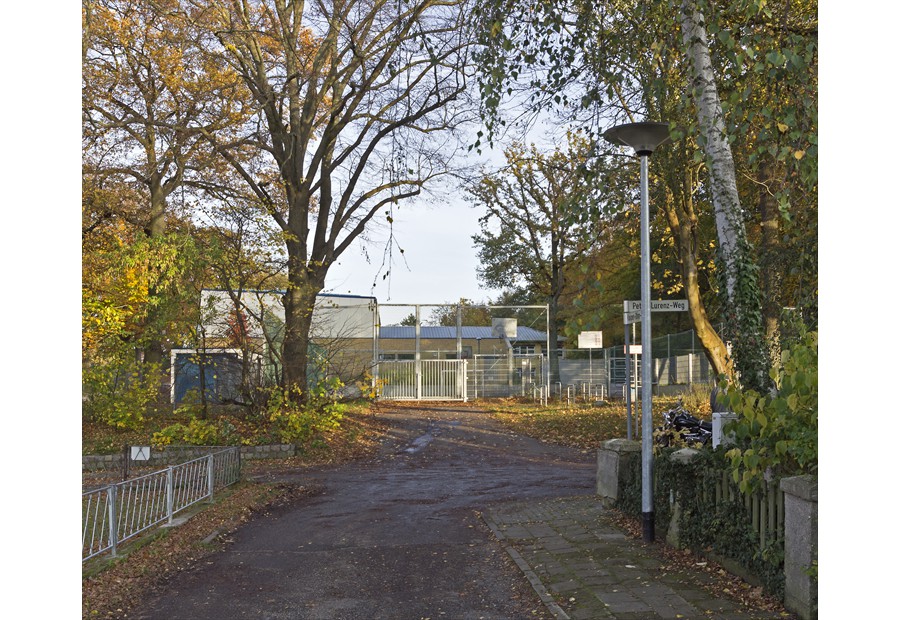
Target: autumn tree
[[148, 95], [615, 62], [355, 106], [245, 253], [469, 312], [116, 283], [767, 72], [542, 213]]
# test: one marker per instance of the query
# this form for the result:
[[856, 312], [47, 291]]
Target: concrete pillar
[[613, 457], [673, 532], [801, 544]]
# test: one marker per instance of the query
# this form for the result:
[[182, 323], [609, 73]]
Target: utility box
[[719, 420]]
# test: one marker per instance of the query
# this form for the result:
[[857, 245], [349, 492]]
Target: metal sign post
[[636, 312], [627, 384]]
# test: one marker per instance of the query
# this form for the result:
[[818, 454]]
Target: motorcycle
[[678, 421]]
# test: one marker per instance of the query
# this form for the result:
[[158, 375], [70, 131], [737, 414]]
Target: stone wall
[[801, 513], [801, 546]]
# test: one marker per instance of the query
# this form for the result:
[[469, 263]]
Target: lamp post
[[644, 138]]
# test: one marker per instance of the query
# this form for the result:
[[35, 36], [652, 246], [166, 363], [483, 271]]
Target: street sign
[[590, 340], [659, 305], [634, 349], [140, 453], [632, 317]]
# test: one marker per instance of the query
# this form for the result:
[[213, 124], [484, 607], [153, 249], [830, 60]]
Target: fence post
[[613, 461], [113, 526], [801, 532], [673, 531], [210, 476], [170, 493]]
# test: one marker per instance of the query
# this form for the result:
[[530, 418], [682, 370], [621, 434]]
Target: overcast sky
[[438, 263]]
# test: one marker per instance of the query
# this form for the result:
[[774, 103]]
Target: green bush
[[198, 433], [297, 422], [119, 391], [723, 527], [777, 434]]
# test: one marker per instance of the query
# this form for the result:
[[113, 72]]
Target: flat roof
[[432, 332]]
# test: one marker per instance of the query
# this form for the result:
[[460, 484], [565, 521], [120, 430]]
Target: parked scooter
[[679, 421]]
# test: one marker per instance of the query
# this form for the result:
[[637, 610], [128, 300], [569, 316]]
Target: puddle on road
[[420, 443]]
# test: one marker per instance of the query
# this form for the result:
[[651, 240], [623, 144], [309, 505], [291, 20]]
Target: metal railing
[[111, 515], [492, 376]]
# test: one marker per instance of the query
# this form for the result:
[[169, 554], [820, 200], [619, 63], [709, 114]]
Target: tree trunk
[[682, 225], [299, 302], [741, 291], [156, 228], [556, 287], [553, 354], [768, 250]]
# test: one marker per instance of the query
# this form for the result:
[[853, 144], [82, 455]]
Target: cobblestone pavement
[[583, 566]]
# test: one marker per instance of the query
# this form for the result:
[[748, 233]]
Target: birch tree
[[604, 63], [740, 273]]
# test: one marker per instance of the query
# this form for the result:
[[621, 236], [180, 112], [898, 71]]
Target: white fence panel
[[423, 380]]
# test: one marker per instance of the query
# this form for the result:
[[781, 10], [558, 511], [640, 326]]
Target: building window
[[523, 349], [388, 357], [466, 354]]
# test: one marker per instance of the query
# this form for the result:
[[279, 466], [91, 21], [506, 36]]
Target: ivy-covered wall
[[714, 516]]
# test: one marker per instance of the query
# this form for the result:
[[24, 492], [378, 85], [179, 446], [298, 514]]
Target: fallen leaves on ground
[[148, 563], [715, 579], [111, 587]]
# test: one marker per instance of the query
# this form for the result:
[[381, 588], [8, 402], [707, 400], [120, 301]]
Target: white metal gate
[[423, 380]]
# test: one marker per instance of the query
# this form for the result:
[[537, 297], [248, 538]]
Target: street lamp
[[644, 138]]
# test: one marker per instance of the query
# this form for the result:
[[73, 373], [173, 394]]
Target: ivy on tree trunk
[[742, 306]]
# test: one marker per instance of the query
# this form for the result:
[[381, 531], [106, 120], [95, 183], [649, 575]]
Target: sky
[[439, 261], [438, 264]]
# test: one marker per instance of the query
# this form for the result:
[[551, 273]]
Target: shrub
[[119, 391], [777, 434], [198, 433], [296, 422], [366, 388], [709, 521]]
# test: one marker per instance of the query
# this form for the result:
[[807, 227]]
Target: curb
[[532, 577]]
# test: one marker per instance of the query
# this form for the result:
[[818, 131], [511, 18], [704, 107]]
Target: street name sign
[[632, 317], [659, 305]]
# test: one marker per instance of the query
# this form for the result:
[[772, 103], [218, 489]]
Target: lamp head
[[644, 138]]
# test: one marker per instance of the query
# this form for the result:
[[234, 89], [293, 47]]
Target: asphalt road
[[398, 537]]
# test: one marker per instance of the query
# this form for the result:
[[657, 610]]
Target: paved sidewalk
[[583, 566]]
